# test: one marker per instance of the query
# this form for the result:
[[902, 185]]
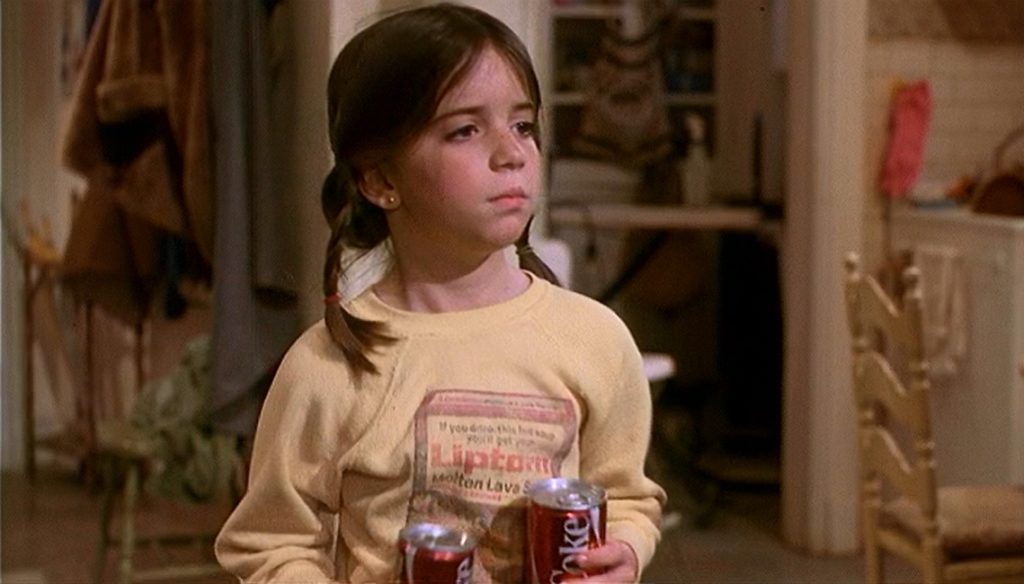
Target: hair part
[[383, 90]]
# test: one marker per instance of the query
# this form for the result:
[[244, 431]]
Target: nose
[[509, 152]]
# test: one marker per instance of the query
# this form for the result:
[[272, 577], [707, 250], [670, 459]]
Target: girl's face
[[470, 181]]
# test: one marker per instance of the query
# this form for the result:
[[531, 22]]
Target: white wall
[[977, 99], [34, 113]]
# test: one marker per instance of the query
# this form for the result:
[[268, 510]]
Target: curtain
[[255, 309]]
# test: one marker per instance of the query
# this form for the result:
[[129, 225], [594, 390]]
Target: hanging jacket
[[138, 136]]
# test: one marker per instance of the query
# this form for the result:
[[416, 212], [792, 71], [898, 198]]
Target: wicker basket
[[1002, 191]]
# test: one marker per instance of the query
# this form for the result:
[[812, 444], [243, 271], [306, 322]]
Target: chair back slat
[[882, 456], [888, 406], [902, 326], [876, 382]]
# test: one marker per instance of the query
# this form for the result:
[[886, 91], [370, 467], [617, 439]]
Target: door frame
[[826, 190]]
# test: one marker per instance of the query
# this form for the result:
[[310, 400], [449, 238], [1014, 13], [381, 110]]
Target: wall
[[978, 97], [34, 110], [744, 91]]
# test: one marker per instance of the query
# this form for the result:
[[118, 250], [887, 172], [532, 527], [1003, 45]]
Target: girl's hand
[[613, 562]]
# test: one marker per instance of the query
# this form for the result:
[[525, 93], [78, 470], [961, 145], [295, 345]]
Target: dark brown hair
[[383, 90]]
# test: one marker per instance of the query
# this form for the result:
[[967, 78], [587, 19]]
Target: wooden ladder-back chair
[[96, 431], [950, 533], [46, 339]]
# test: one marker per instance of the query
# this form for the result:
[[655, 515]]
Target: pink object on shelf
[[908, 127]]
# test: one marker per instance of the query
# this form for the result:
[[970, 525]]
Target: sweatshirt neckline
[[408, 323]]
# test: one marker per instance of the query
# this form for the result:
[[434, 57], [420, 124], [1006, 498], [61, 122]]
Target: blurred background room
[[708, 165]]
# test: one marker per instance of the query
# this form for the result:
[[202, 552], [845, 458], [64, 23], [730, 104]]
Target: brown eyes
[[462, 132], [524, 129]]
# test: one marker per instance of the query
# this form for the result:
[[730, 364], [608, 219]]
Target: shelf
[[671, 99], [685, 57], [669, 217]]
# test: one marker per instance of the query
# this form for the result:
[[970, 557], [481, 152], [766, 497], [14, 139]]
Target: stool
[[125, 449]]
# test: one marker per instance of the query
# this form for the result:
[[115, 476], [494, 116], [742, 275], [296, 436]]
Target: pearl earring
[[390, 200]]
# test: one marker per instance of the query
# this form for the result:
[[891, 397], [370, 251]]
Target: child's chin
[[509, 231]]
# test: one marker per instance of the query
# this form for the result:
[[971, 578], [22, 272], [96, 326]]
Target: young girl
[[444, 389]]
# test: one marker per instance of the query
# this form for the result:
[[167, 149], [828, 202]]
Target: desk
[[693, 441], [659, 218]]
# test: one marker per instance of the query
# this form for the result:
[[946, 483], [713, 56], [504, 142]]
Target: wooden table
[[656, 217], [662, 219]]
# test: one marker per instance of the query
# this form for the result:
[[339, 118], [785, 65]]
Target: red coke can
[[435, 554], [565, 517]]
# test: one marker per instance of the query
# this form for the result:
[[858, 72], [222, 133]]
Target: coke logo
[[464, 571], [575, 540]]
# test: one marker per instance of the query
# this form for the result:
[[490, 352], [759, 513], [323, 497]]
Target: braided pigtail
[[530, 261], [355, 337]]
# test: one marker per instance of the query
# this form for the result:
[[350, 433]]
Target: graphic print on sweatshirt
[[476, 454]]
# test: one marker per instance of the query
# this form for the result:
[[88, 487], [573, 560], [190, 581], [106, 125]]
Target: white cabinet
[[978, 412]]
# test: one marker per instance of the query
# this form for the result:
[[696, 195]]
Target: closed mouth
[[510, 194]]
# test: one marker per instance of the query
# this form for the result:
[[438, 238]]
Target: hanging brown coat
[[138, 135]]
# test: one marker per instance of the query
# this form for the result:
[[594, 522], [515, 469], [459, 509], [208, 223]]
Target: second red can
[[434, 554], [565, 517]]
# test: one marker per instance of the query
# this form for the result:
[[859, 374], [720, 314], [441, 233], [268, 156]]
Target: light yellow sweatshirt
[[468, 408]]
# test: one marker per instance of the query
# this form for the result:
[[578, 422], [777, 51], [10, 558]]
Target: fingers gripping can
[[565, 517], [434, 554]]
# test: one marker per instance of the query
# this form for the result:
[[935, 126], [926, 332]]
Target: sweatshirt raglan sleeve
[[613, 447], [283, 529]]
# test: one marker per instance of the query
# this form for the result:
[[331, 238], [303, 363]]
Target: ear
[[375, 186]]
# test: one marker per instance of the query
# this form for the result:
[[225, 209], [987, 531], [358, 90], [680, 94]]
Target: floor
[[731, 536], [50, 531], [49, 536]]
